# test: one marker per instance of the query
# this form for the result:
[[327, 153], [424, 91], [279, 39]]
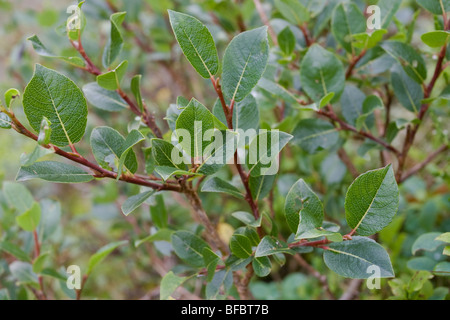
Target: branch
[[266, 21], [353, 64], [423, 164]]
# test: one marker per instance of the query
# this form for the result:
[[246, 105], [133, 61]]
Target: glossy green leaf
[[196, 42], [111, 79], [241, 246], [136, 201], [372, 201], [411, 61], [352, 259], [216, 184], [115, 41], [103, 99], [245, 114], [244, 63], [262, 266], [321, 73], [102, 254], [160, 235], [162, 153], [108, 145], [314, 135], [435, 39], [189, 248], [39, 262], [303, 209], [167, 172], [368, 41], [277, 90], [54, 172], [54, 96]]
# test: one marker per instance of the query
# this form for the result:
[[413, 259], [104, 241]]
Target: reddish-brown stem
[[353, 64], [305, 32], [37, 253], [79, 291], [90, 65], [266, 21], [304, 243]]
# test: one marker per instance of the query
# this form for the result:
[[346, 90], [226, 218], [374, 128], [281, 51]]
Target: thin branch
[[348, 162], [266, 21], [353, 64]]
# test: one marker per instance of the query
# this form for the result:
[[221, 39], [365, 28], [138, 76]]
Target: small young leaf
[[427, 242], [244, 63], [133, 138], [347, 20], [15, 251], [372, 201], [247, 218], [196, 42], [270, 246], [45, 132], [294, 11], [135, 202], [286, 41], [211, 262], [352, 259], [162, 153], [111, 80], [10, 96], [18, 196], [435, 39], [54, 172]]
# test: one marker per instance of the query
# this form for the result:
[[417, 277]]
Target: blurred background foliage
[[83, 218]]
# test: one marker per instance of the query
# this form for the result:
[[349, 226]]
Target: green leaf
[[45, 132], [442, 268], [351, 259], [347, 20], [38, 263], [5, 121], [352, 100], [103, 99], [370, 104], [411, 61], [241, 246], [115, 40], [427, 242], [41, 50], [108, 146], [15, 251], [32, 157], [111, 80], [294, 11], [54, 96], [314, 135], [169, 283], [192, 124], [321, 73], [434, 6], [216, 184], [368, 41], [133, 138], [277, 90], [167, 172], [18, 196], [29, 220], [136, 90], [54, 172], [303, 209], [23, 273], [444, 237], [244, 63], [10, 96], [422, 263], [102, 253], [136, 201], [286, 41], [435, 39], [160, 235], [189, 248], [372, 201], [261, 186], [222, 278], [262, 158], [211, 262], [262, 266], [196, 42], [162, 153], [408, 92], [271, 246], [247, 218]]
